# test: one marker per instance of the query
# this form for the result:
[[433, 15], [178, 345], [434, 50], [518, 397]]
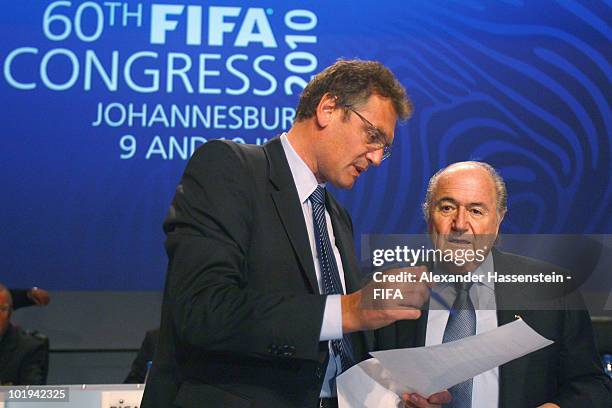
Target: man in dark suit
[[464, 207], [22, 356], [262, 303]]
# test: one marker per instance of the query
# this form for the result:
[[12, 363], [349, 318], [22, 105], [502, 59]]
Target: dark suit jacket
[[22, 358], [138, 372], [568, 372], [242, 313]]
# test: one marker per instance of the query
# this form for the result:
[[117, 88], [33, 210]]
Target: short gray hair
[[500, 187]]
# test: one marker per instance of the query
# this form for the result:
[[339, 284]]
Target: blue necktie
[[329, 269], [461, 323]]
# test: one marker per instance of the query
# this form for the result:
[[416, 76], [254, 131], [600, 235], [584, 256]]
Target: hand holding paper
[[378, 382]]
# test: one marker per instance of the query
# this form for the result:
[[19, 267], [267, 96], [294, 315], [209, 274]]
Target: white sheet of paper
[[367, 384], [427, 370]]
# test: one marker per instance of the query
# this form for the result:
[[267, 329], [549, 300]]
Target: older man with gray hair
[[464, 207]]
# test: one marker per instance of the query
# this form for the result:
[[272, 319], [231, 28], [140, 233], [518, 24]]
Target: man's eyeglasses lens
[[376, 137]]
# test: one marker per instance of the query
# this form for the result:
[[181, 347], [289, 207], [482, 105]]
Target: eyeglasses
[[376, 137], [5, 308]]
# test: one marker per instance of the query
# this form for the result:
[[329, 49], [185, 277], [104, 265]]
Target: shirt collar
[[304, 179], [484, 268]]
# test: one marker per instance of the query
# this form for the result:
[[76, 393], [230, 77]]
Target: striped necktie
[[461, 323], [329, 269]]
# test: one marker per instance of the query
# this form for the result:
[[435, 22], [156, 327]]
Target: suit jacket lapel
[[411, 333], [510, 382], [344, 242], [289, 208]]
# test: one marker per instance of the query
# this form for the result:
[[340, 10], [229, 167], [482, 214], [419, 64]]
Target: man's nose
[[375, 157], [460, 222]]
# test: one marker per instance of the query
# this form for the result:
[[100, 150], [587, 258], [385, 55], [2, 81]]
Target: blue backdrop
[[101, 105]]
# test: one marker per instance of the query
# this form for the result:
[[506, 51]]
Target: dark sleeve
[[583, 382], [31, 368], [145, 354], [20, 298], [209, 228]]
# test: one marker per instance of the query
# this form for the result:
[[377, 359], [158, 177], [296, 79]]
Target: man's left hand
[[39, 296], [436, 400]]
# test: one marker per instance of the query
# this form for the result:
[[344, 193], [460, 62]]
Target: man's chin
[[446, 245], [459, 266], [345, 183], [454, 246]]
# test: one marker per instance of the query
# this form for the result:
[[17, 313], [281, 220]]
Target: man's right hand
[[365, 310]]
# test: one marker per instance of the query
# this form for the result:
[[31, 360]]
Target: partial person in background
[[29, 297], [23, 357], [140, 366], [464, 208]]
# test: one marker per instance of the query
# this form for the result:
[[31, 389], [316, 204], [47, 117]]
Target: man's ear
[[500, 218], [325, 110]]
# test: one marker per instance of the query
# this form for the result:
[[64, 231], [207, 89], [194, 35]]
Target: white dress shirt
[[485, 391], [331, 329]]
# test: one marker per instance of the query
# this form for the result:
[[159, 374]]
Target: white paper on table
[[427, 370]]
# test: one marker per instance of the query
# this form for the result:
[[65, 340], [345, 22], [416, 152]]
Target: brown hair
[[353, 82]]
